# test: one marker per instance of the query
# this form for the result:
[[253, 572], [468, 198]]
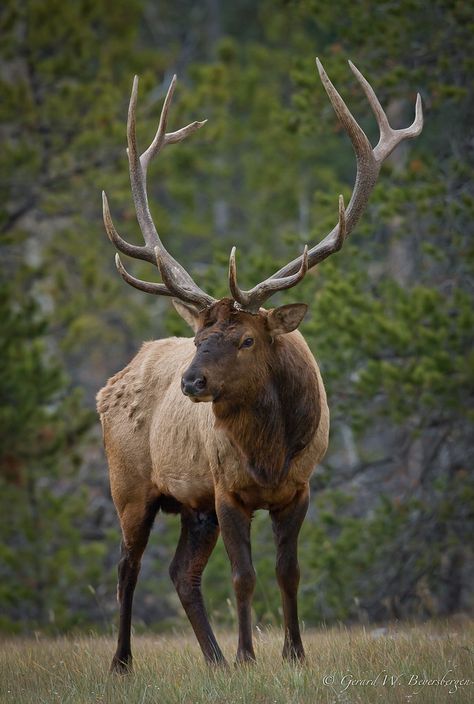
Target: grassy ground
[[343, 666]]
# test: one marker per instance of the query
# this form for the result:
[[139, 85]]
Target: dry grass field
[[429, 663]]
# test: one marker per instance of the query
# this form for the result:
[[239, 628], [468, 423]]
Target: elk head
[[233, 336], [231, 346]]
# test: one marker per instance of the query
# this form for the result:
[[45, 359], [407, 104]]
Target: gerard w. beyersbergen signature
[[407, 679]]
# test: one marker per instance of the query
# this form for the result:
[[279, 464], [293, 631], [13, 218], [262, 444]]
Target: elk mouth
[[204, 397], [199, 399]]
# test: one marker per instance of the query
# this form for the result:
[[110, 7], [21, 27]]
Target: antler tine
[[253, 299], [389, 138], [162, 138], [180, 282], [147, 286], [131, 250], [361, 144]]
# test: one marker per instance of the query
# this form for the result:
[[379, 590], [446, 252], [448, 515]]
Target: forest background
[[390, 527]]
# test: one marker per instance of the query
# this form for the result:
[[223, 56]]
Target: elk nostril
[[200, 383]]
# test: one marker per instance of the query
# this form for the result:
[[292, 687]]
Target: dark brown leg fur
[[234, 522], [286, 527], [199, 533], [136, 521]]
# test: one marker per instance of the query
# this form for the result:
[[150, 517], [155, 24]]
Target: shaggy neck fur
[[279, 419]]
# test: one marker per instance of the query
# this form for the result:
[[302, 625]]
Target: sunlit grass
[[171, 669]]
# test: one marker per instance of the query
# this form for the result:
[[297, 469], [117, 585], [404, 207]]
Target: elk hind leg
[[199, 533], [136, 519]]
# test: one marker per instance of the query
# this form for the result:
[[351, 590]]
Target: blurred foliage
[[389, 531], [44, 562]]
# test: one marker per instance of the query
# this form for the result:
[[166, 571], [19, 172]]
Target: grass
[[344, 665]]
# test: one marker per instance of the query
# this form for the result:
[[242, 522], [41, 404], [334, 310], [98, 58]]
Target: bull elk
[[232, 421]]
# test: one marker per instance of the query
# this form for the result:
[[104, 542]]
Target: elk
[[232, 421]]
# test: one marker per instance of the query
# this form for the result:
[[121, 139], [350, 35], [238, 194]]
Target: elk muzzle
[[194, 385]]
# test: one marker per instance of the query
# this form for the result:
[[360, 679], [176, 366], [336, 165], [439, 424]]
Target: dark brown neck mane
[[272, 425]]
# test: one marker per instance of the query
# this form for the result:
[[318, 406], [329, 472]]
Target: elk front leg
[[136, 520], [234, 522], [199, 533], [286, 527]]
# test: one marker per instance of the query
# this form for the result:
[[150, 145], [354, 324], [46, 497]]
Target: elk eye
[[248, 342]]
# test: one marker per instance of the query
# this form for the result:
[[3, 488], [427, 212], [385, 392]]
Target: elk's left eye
[[248, 342]]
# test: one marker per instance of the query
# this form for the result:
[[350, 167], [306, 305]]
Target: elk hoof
[[294, 654], [121, 666], [245, 657]]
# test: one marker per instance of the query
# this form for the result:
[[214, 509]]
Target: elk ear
[[188, 312], [286, 318]]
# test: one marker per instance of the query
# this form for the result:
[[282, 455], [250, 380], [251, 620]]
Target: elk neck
[[277, 419]]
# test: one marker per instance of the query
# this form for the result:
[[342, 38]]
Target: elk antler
[[368, 162], [176, 280]]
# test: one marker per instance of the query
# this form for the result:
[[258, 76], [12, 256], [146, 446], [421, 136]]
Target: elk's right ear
[[188, 312], [285, 318]]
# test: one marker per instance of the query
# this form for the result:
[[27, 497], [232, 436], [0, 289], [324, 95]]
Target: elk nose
[[193, 385]]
